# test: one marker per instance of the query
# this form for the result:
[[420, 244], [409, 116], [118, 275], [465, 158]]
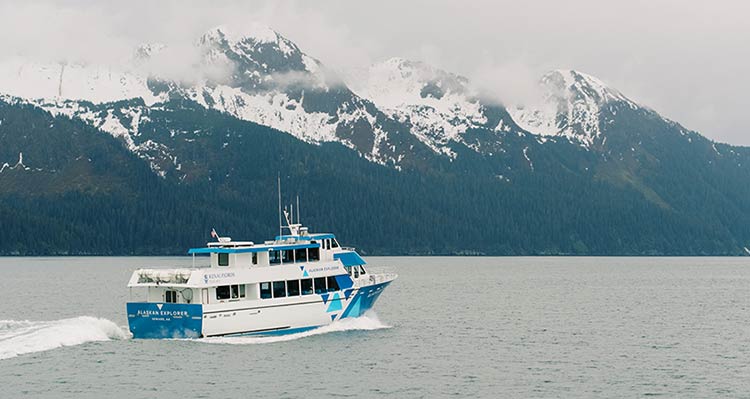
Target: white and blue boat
[[294, 283]]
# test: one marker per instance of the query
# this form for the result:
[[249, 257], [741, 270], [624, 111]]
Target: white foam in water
[[368, 321], [21, 337]]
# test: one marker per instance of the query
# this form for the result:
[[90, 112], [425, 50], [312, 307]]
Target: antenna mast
[[278, 178], [298, 222]]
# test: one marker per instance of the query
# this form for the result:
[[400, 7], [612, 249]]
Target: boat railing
[[374, 278], [163, 276]]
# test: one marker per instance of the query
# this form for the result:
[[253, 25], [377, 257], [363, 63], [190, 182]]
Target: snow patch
[[526, 155]]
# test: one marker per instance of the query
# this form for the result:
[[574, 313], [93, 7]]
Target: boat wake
[[22, 337], [368, 321]]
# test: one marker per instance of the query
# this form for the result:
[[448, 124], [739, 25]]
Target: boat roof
[[280, 243], [316, 236]]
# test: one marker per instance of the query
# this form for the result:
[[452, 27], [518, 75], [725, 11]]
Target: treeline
[[93, 197]]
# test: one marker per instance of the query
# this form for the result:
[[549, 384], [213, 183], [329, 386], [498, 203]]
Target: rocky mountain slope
[[411, 158]]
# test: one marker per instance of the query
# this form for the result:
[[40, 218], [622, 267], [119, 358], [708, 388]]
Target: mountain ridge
[[586, 172]]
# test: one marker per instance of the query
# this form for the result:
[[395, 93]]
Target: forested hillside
[[80, 191]]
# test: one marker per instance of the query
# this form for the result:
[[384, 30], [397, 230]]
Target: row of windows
[[230, 291], [293, 255], [308, 286], [288, 255], [281, 256]]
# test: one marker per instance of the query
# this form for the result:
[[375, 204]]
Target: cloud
[[508, 84], [674, 56]]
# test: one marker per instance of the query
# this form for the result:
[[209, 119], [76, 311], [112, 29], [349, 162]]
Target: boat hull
[[165, 320], [259, 317]]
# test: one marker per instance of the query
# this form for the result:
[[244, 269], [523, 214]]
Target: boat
[[294, 283]]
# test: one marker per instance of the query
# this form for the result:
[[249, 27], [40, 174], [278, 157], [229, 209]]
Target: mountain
[[440, 108], [574, 106], [408, 159]]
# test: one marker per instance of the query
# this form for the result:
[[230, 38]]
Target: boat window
[[320, 285], [287, 256], [274, 257], [334, 243], [300, 255], [265, 290], [314, 254], [292, 288], [333, 285], [170, 296], [222, 292], [242, 291], [362, 269], [223, 259], [356, 271], [348, 269], [255, 258], [327, 243], [307, 286], [279, 289], [235, 291]]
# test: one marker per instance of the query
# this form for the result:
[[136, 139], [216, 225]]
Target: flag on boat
[[214, 234]]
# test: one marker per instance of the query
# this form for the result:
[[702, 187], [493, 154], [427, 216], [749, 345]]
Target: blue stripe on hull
[[165, 320], [285, 331]]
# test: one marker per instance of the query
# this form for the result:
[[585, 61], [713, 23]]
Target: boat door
[[204, 295]]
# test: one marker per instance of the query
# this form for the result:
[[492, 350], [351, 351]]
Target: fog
[[686, 60]]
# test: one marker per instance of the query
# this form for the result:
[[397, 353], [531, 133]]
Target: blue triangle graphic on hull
[[325, 298], [333, 317], [335, 303]]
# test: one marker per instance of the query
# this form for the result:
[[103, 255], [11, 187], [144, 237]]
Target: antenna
[[278, 178], [298, 209]]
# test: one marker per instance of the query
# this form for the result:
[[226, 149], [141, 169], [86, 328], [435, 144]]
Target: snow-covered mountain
[[396, 113], [258, 76], [574, 105], [439, 106], [585, 171]]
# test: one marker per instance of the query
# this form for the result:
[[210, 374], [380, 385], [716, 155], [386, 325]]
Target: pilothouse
[[293, 283]]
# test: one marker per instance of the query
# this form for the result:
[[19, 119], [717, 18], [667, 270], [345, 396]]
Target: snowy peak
[[575, 86], [571, 106], [438, 106], [256, 48], [252, 32], [261, 60], [398, 82]]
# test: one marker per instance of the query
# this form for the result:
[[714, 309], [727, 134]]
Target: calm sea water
[[463, 327]]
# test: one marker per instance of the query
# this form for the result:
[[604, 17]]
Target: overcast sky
[[690, 61]]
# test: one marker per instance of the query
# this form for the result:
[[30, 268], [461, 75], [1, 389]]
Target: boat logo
[[215, 277], [159, 305]]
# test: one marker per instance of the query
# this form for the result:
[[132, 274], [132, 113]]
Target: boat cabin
[[243, 270]]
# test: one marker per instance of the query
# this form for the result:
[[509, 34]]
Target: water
[[467, 327]]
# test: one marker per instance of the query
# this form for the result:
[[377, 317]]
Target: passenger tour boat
[[294, 283]]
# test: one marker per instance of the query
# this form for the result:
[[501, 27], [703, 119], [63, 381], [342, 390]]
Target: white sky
[[688, 60]]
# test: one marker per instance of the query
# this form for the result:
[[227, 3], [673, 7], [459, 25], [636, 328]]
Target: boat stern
[[165, 320]]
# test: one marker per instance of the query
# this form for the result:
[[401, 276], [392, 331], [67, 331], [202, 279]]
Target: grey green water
[[460, 327]]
